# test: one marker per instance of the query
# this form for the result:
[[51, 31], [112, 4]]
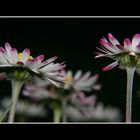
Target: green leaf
[[5, 112]]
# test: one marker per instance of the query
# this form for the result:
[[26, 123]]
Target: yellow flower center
[[20, 55], [68, 79]]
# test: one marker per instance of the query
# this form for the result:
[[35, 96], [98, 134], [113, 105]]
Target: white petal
[[110, 66], [14, 55], [25, 55], [113, 40], [78, 75]]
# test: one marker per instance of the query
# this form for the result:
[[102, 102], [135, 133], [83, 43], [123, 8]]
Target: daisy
[[21, 67], [79, 81], [13, 63], [41, 89], [127, 56], [73, 87]]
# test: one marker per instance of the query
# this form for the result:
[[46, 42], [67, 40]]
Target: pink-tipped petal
[[44, 63], [40, 58], [32, 62], [105, 43], [8, 52], [2, 50], [62, 72], [135, 40], [25, 55], [26, 51], [127, 42], [7, 46], [112, 39], [110, 66]]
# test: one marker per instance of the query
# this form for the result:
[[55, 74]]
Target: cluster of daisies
[[48, 83]]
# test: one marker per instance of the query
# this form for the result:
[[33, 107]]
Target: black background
[[74, 41]]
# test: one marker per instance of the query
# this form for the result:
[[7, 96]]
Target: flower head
[[37, 92], [22, 66], [126, 55], [40, 89], [79, 82]]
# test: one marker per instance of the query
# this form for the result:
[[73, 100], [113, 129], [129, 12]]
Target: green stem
[[57, 114], [16, 88], [130, 76], [64, 107]]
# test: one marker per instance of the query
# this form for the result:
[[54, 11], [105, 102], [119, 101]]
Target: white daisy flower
[[40, 89], [79, 82], [126, 55], [37, 92], [11, 62], [21, 67]]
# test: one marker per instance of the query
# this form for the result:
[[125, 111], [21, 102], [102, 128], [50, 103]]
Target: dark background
[[74, 41]]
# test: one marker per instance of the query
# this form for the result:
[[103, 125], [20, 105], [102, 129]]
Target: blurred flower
[[26, 108], [80, 82], [40, 89], [22, 66], [85, 108], [37, 92], [126, 55], [97, 113]]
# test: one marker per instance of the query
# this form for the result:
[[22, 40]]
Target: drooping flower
[[11, 62], [126, 55]]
